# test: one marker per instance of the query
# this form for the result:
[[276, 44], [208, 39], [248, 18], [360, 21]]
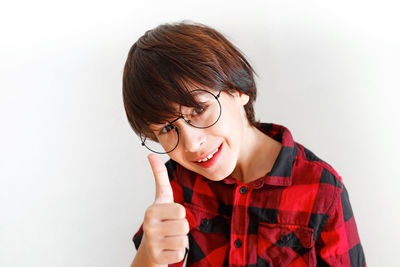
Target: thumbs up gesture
[[165, 226]]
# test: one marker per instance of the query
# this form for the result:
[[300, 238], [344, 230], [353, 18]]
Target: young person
[[235, 192]]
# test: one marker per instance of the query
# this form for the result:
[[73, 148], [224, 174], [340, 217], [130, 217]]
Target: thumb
[[164, 192]]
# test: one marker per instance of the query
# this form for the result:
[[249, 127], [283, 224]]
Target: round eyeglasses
[[202, 117]]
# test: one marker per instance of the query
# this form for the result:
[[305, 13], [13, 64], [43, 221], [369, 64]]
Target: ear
[[243, 98]]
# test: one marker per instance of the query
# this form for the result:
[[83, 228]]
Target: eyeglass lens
[[203, 117]]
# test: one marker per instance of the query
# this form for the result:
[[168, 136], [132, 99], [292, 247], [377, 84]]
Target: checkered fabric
[[298, 214]]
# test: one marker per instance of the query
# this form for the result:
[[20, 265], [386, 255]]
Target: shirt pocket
[[285, 244], [208, 236]]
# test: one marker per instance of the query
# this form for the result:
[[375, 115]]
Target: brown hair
[[170, 59]]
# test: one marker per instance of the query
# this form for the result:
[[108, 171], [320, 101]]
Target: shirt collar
[[281, 172]]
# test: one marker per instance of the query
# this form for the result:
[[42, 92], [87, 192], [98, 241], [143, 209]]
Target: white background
[[74, 180]]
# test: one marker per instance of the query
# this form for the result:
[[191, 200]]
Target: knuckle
[[154, 254], [150, 213], [147, 222], [151, 231], [185, 227], [151, 239], [180, 254], [184, 242], [181, 211], [176, 256]]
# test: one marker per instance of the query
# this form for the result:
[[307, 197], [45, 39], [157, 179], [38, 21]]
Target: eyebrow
[[157, 127]]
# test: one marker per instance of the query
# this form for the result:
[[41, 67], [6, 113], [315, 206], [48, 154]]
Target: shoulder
[[314, 164], [316, 188], [311, 170]]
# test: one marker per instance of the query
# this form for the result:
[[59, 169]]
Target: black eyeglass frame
[[143, 138]]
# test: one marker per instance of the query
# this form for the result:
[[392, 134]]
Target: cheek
[[231, 125], [176, 155]]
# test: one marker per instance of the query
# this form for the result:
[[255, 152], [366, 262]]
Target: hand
[[165, 226]]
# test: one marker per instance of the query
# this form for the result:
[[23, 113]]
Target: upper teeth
[[209, 156]]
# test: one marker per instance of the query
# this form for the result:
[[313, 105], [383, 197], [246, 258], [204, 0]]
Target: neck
[[257, 155]]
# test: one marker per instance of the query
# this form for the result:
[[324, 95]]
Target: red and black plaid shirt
[[298, 214]]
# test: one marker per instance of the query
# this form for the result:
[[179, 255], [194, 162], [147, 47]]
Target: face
[[221, 143]]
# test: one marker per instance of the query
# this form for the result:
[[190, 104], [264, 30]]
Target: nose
[[190, 138]]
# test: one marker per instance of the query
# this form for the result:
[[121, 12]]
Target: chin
[[216, 178], [219, 175]]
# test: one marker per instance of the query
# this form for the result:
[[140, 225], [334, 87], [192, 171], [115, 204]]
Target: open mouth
[[211, 159]]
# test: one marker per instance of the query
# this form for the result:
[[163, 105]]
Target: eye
[[166, 129], [198, 111]]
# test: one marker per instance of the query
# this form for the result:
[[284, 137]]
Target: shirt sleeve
[[339, 244]]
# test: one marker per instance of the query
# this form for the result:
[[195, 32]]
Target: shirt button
[[285, 238], [238, 243], [205, 222], [243, 190]]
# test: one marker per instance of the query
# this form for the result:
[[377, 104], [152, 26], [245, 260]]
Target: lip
[[212, 161]]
